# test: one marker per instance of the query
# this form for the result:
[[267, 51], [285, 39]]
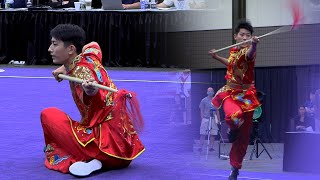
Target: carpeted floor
[[25, 91]]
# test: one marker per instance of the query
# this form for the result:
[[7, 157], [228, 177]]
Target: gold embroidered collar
[[73, 63]]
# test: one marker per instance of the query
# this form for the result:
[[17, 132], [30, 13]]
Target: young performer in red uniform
[[105, 136], [238, 97]]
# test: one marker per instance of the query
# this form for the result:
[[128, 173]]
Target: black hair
[[70, 34], [243, 24]]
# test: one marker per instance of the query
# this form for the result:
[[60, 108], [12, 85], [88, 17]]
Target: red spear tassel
[[127, 105], [296, 13]]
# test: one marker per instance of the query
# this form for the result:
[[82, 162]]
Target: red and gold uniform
[[105, 131], [238, 99]]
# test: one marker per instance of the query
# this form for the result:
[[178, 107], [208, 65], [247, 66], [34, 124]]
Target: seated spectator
[[189, 4], [302, 121]]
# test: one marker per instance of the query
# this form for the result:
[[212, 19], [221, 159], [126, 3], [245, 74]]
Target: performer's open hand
[[88, 87], [60, 70]]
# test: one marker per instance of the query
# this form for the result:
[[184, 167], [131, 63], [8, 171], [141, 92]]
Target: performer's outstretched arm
[[253, 48], [219, 58]]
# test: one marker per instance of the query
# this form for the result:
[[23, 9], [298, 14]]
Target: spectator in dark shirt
[[303, 122]]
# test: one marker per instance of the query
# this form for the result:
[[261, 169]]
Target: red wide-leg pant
[[62, 148], [239, 146]]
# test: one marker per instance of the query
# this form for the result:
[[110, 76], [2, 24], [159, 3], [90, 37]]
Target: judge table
[[127, 37], [301, 152]]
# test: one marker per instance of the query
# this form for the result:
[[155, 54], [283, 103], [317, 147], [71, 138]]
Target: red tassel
[[126, 104], [296, 13]]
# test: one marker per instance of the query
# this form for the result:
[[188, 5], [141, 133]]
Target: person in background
[[208, 111], [302, 121], [173, 3]]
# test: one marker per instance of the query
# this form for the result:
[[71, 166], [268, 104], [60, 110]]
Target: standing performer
[[105, 136], [238, 97]]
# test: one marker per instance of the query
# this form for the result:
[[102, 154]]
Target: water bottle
[[9, 4], [181, 4], [29, 3], [153, 4], [143, 4], [148, 4], [82, 5]]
